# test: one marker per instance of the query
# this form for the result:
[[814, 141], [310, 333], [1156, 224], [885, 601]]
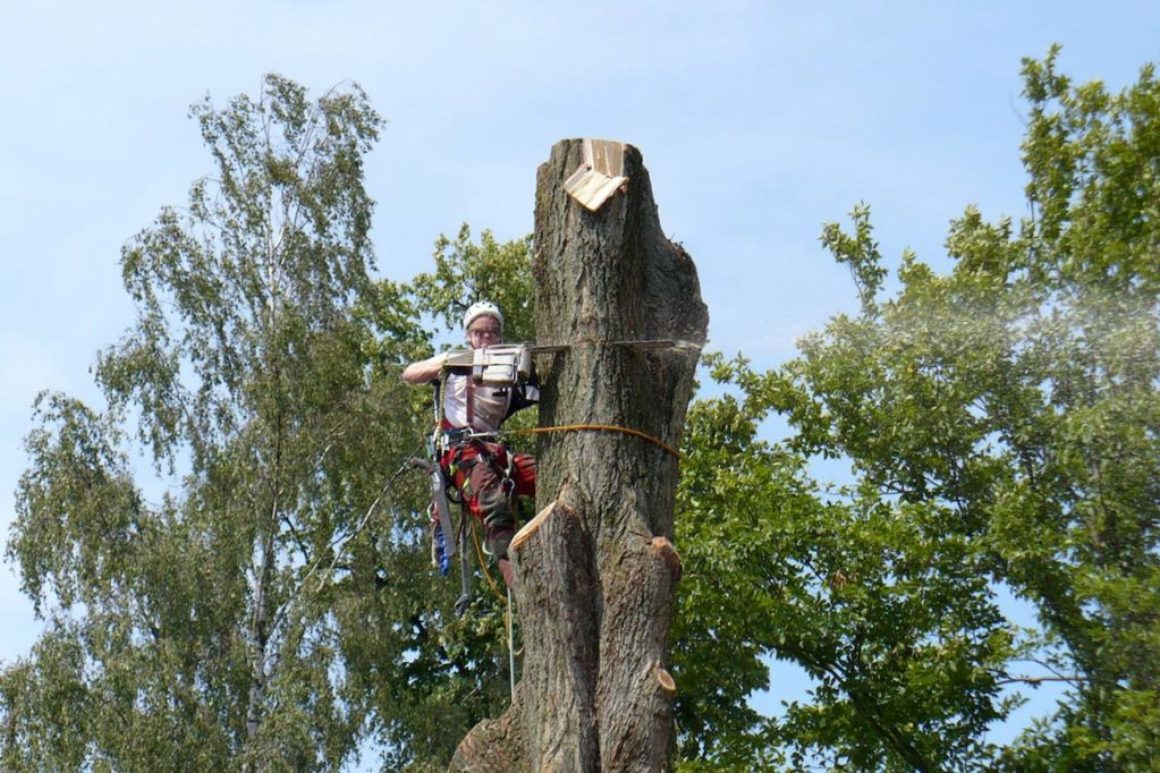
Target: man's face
[[484, 331]]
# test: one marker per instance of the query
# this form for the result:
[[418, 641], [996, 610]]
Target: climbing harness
[[452, 451]]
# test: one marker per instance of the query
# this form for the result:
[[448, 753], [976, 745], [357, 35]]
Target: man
[[486, 474]]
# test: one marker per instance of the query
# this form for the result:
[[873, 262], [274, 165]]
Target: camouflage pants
[[488, 477]]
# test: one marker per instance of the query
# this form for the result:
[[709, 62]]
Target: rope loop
[[600, 428]]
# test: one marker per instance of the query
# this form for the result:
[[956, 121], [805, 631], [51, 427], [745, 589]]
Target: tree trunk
[[596, 569]]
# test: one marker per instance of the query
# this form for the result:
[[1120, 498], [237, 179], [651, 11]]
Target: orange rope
[[599, 427], [505, 600]]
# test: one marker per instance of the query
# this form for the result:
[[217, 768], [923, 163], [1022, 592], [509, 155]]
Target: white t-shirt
[[489, 404]]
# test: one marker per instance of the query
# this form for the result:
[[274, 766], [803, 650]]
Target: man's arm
[[425, 371], [524, 396]]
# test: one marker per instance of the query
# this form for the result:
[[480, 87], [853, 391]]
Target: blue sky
[[758, 122]]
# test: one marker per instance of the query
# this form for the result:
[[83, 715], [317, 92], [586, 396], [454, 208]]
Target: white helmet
[[479, 309]]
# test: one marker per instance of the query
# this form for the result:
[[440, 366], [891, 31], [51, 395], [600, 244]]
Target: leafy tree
[[205, 630], [490, 270], [452, 671], [882, 606], [456, 669], [276, 603], [1002, 426]]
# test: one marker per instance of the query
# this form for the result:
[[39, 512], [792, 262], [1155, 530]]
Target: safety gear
[[489, 477], [478, 309]]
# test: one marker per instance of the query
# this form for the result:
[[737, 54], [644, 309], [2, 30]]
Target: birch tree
[[196, 626]]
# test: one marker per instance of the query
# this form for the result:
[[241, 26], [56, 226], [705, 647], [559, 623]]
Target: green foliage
[[885, 609], [276, 604], [456, 670], [466, 272], [1002, 425], [209, 630], [860, 253]]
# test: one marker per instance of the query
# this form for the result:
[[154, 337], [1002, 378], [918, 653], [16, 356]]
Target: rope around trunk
[[601, 428]]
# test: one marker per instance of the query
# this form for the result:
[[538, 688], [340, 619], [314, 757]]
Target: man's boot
[[499, 527]]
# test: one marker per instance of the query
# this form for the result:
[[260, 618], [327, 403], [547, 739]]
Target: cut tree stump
[[596, 570]]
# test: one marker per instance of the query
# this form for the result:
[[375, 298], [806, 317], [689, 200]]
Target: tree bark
[[596, 570]]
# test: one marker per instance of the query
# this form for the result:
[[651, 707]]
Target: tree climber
[[487, 475]]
